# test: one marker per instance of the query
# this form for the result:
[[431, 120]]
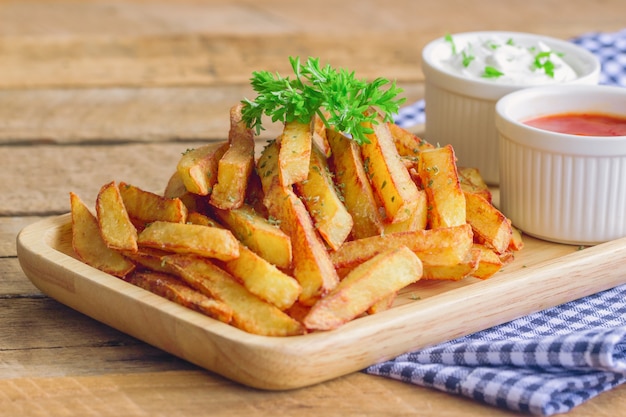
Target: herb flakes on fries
[[334, 220]]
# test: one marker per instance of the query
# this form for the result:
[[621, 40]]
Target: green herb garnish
[[448, 38], [543, 61], [491, 72], [335, 95], [468, 57]]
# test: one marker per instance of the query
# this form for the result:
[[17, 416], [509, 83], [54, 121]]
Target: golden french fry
[[454, 272], [312, 266], [330, 216], [198, 167], [408, 144], [250, 313], [384, 304], [444, 246], [354, 185], [212, 242], [175, 290], [294, 152], [175, 188], [490, 226], [149, 258], [472, 182], [259, 234], [88, 244], [367, 284], [439, 178], [517, 243], [148, 207], [489, 264], [267, 165], [115, 224], [234, 167], [417, 221], [389, 177]]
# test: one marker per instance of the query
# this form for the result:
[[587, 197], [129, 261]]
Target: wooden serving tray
[[543, 275]]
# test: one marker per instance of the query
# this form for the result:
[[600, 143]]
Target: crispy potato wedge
[[319, 135], [472, 182], [198, 167], [383, 304], [115, 224], [235, 166], [408, 144], [312, 266], [147, 207], [263, 279], [454, 272], [212, 242], [417, 221], [389, 177], [490, 226], [489, 264], [330, 216], [89, 245], [517, 243], [250, 313], [173, 289], [175, 188], [354, 185], [149, 258], [259, 234], [367, 284], [444, 246], [267, 165], [439, 177], [294, 152]]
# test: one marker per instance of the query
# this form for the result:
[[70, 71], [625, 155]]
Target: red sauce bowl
[[563, 187]]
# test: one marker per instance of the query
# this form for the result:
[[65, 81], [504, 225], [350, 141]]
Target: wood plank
[[14, 283], [197, 393], [132, 43], [85, 115], [9, 228]]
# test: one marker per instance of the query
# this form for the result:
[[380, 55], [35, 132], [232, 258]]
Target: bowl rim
[[585, 63], [510, 123]]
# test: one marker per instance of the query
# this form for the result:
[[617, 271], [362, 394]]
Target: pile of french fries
[[313, 232]]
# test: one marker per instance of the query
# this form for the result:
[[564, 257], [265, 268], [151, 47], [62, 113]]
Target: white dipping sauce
[[507, 62]]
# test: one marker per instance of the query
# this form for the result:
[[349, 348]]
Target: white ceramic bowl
[[460, 111], [561, 187]]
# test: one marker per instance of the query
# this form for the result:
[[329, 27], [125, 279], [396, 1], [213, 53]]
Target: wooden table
[[93, 91]]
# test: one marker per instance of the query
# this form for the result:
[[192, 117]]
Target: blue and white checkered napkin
[[547, 362], [610, 48]]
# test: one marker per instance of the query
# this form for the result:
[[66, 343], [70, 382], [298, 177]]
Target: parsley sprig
[[336, 95]]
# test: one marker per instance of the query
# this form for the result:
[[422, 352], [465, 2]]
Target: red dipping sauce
[[582, 124]]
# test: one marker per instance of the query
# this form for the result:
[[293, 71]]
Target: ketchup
[[582, 124]]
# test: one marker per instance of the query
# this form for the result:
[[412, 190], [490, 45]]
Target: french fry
[[439, 177], [472, 182], [250, 313], [198, 167], [389, 177], [408, 144], [417, 221], [177, 291], [319, 135], [267, 165], [367, 284], [312, 266], [148, 207], [489, 264], [490, 226], [234, 167], [212, 242], [294, 152], [115, 225], [149, 258], [454, 272], [88, 244], [175, 188], [354, 185], [330, 216], [256, 232], [517, 243], [444, 246]]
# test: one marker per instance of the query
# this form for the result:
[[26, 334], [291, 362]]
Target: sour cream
[[508, 61]]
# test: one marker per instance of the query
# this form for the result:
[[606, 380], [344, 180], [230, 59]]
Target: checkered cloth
[[547, 362], [610, 48]]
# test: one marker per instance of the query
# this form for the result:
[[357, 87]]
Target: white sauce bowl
[[460, 111], [561, 187]]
